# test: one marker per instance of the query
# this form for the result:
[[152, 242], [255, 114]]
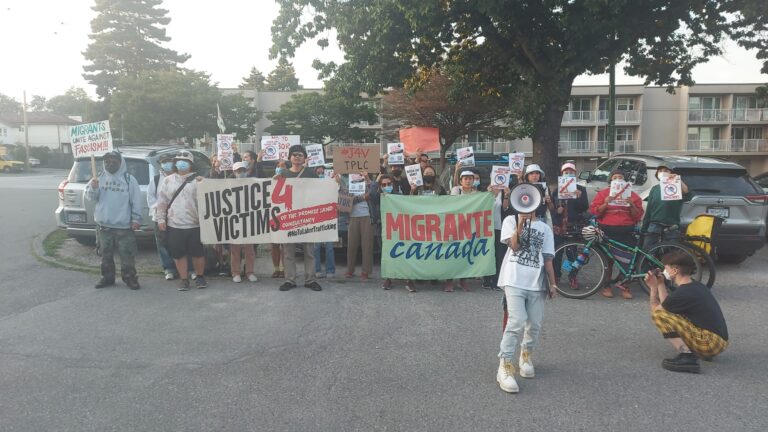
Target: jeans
[[165, 260], [653, 235], [526, 312], [330, 260]]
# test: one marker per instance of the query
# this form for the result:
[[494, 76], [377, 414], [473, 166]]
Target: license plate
[[76, 217], [722, 212]]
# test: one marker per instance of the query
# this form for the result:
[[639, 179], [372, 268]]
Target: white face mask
[[666, 274]]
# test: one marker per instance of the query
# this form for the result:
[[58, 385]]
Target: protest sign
[[91, 139], [346, 201], [356, 184], [225, 153], [413, 172], [500, 176], [465, 157], [671, 187], [355, 159], [443, 237], [517, 163], [396, 153], [244, 211], [315, 156], [276, 146], [622, 190], [420, 139], [566, 187]]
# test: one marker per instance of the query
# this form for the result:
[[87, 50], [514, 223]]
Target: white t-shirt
[[524, 269]]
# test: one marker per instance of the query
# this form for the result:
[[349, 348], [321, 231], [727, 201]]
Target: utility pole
[[26, 133], [611, 109]]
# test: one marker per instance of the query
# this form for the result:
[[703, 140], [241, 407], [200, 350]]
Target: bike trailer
[[703, 231]]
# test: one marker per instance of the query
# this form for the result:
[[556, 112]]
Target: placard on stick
[[354, 159], [91, 139]]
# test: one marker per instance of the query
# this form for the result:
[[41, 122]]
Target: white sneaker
[[237, 279], [505, 376], [193, 275], [320, 275], [526, 365], [252, 277], [169, 275]]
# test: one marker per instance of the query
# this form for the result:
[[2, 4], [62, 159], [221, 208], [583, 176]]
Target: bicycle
[[585, 262], [708, 270]]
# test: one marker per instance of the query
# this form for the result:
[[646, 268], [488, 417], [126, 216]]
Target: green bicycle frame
[[636, 252]]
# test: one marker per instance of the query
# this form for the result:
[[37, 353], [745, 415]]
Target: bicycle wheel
[[658, 251], [708, 271], [579, 281]]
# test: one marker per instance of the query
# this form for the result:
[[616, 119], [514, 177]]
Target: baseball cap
[[467, 174], [239, 165], [568, 165], [184, 154]]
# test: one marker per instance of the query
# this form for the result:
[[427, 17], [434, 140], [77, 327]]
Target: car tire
[[85, 240], [731, 259]]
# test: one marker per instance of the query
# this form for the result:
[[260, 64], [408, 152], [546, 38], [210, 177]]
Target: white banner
[[225, 154], [246, 211], [91, 139]]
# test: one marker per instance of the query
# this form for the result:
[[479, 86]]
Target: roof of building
[[37, 118]]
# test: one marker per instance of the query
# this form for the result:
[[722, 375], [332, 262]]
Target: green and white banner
[[437, 237]]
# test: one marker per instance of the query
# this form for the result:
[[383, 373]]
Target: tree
[[255, 80], [282, 78], [9, 105], [437, 103], [165, 105], [126, 38], [526, 51], [38, 103], [322, 118], [76, 102], [239, 116]]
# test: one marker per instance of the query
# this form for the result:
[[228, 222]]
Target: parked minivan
[[717, 187], [75, 213]]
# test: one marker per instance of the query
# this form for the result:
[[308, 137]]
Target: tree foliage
[[37, 103], [239, 116], [323, 118], [76, 102], [126, 38], [527, 52], [282, 78], [255, 80], [9, 105]]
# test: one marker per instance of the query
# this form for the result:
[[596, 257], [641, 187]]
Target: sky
[[43, 41]]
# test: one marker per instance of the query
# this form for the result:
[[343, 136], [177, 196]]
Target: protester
[[298, 156], [386, 186], [660, 214], [254, 166], [221, 268], [527, 262], [360, 233], [400, 183], [244, 250], [330, 259], [617, 219], [501, 209], [535, 176], [430, 187], [467, 181], [689, 317], [166, 168], [177, 215], [568, 214], [256, 169], [117, 214]]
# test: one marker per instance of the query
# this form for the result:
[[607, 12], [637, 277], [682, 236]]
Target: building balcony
[[622, 116], [709, 116], [620, 146], [596, 147], [594, 117], [728, 145], [749, 115], [579, 117]]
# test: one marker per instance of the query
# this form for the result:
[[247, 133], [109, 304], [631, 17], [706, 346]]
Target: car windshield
[[81, 171], [719, 183]]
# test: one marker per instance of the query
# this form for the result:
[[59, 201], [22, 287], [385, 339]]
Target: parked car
[[75, 213], [762, 181], [34, 162], [8, 165], [717, 187]]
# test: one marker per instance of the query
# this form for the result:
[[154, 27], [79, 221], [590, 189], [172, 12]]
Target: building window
[[581, 104], [624, 134], [704, 138], [625, 104], [704, 102]]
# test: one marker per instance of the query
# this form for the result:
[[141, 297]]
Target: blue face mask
[[278, 170], [183, 165], [247, 164], [321, 176], [476, 183], [167, 166], [387, 189]]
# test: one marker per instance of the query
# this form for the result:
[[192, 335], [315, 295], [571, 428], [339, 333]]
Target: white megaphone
[[525, 198]]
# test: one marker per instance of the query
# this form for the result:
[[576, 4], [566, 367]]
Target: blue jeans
[[526, 312], [330, 260], [653, 235], [165, 260]]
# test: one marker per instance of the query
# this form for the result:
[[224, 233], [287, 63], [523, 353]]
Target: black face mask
[[429, 179], [111, 165], [396, 173]]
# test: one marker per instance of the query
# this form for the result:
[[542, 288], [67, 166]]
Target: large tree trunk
[[547, 132]]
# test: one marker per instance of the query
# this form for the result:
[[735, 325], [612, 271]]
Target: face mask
[[183, 165], [167, 166], [666, 274], [240, 174], [321, 176], [476, 183], [278, 170], [111, 166], [387, 189], [569, 175], [247, 164], [429, 178]]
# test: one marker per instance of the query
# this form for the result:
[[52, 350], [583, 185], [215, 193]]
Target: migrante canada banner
[[253, 210], [442, 237]]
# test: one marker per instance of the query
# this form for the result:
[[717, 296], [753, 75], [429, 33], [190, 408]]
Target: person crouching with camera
[[525, 271], [689, 317]]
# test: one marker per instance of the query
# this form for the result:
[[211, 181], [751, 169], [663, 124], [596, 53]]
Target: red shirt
[[616, 215]]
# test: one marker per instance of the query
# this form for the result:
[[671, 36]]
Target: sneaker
[[330, 275], [498, 288], [314, 286], [487, 284], [387, 285], [606, 292], [410, 286], [526, 365], [169, 275], [183, 285], [200, 282], [505, 376], [684, 362], [252, 278], [286, 286], [133, 283], [193, 275], [275, 274], [103, 282], [320, 275], [237, 279]]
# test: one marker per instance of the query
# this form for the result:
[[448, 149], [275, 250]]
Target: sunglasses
[[297, 154]]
